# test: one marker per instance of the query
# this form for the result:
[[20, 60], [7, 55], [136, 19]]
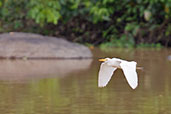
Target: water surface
[[70, 86]]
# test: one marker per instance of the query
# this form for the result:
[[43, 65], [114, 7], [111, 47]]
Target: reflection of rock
[[30, 69], [19, 45]]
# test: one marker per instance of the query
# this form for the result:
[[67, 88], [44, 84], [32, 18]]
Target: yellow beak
[[102, 60]]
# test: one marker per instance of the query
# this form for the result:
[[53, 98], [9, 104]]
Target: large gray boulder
[[28, 45]]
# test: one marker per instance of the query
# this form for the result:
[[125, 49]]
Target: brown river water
[[70, 86]]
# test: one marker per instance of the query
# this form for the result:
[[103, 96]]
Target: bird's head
[[110, 62]]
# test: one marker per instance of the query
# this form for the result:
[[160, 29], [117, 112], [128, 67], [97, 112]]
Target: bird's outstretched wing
[[105, 74], [129, 69]]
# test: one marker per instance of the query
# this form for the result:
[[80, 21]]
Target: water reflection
[[77, 92], [20, 70]]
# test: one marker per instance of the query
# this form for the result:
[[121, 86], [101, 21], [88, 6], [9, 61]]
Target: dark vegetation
[[108, 23]]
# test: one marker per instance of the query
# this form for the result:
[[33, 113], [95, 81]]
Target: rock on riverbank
[[20, 45]]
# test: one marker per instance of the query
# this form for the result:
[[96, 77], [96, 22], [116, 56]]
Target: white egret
[[108, 67]]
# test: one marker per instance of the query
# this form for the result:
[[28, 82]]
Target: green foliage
[[101, 10], [142, 45], [121, 21], [44, 11], [168, 30], [70, 9], [128, 17], [12, 13], [123, 42]]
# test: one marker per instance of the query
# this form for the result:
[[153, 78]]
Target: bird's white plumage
[[129, 70], [105, 74], [108, 67]]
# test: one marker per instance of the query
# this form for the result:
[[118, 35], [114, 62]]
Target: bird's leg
[[138, 68]]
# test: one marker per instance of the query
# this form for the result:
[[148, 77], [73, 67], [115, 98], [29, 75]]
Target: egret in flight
[[108, 67]]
